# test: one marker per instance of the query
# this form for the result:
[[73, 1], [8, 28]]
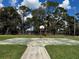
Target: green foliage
[[54, 4], [10, 19], [24, 8]]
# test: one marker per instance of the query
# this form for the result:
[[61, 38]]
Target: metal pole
[[23, 29], [74, 26], [74, 22], [23, 25]]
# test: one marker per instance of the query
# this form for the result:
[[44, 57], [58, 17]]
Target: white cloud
[[29, 15], [65, 4], [33, 4], [32, 1], [1, 5]]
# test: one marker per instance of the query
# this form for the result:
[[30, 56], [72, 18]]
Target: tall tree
[[23, 12], [38, 18], [10, 20]]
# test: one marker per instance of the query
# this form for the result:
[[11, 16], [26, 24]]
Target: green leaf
[[54, 4]]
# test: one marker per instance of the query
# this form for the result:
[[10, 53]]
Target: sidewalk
[[35, 52]]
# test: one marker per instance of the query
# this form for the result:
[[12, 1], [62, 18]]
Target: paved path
[[35, 49], [35, 52], [40, 41]]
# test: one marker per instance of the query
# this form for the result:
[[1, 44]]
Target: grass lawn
[[63, 52], [11, 51], [3, 37]]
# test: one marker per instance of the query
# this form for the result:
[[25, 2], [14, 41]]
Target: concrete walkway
[[35, 52], [40, 41]]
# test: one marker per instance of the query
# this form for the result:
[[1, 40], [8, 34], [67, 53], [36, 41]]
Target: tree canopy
[[57, 22]]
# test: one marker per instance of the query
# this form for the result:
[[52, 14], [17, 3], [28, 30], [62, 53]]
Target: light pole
[[74, 22], [74, 26], [46, 26]]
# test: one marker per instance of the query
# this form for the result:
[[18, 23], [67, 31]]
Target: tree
[[10, 19], [38, 18], [23, 12], [52, 21], [57, 20], [54, 4], [70, 20], [76, 20]]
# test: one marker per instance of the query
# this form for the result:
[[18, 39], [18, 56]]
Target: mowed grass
[[63, 52], [3, 37], [11, 51]]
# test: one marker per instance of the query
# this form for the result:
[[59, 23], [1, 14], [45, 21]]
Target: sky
[[72, 6]]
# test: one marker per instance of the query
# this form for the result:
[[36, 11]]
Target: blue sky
[[71, 5]]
